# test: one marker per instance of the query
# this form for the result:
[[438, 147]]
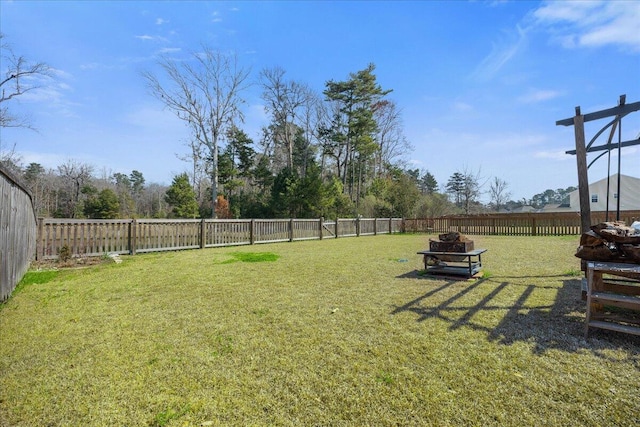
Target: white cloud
[[160, 21], [623, 29], [46, 91], [169, 50], [97, 65], [592, 23], [61, 74], [146, 37], [575, 11], [501, 54], [539, 95]]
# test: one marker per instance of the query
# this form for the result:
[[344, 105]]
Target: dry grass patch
[[332, 332]]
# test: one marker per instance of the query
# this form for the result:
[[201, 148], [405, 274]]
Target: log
[[631, 252], [596, 253], [617, 231], [454, 236], [590, 238]]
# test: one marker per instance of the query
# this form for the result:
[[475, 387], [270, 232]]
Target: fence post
[[252, 232], [358, 226], [291, 229], [132, 236], [321, 221], [40, 240], [203, 234], [402, 225], [336, 226], [375, 226], [533, 226]]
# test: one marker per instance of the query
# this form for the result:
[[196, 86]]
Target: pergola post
[[583, 180]]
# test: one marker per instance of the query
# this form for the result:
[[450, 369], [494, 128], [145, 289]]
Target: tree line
[[336, 153], [77, 190]]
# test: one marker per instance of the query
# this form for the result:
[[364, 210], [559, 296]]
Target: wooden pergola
[[578, 121]]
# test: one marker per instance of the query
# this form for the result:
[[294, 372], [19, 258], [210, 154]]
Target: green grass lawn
[[333, 333]]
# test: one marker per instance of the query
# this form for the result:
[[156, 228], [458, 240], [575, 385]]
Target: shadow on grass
[[559, 325]]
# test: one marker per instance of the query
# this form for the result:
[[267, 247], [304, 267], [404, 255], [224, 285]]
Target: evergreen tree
[[125, 198], [103, 205], [354, 126], [181, 197], [455, 187], [427, 183]]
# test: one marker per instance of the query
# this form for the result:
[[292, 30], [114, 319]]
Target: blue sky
[[480, 83]]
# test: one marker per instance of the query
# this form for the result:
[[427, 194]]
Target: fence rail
[[525, 224], [86, 237]]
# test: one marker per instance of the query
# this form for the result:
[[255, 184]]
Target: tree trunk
[[214, 177]]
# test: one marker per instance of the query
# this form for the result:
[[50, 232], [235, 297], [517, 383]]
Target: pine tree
[[181, 197]]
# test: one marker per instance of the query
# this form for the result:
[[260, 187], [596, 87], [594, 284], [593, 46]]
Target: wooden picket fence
[[520, 224], [85, 237]]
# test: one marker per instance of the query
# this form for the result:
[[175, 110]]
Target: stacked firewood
[[611, 241], [451, 242]]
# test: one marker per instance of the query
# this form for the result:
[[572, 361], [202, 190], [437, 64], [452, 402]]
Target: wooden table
[[463, 264], [622, 291]]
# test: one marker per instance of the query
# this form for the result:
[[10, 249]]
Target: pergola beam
[[620, 110], [605, 147]]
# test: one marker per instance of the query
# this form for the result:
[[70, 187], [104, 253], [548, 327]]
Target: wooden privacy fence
[[520, 224], [86, 237], [17, 232]]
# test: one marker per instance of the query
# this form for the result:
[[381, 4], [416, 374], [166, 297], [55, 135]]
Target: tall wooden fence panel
[[17, 232], [305, 229], [529, 224], [228, 232], [84, 237], [347, 227], [152, 235]]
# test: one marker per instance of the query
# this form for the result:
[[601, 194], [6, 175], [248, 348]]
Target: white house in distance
[[629, 196]]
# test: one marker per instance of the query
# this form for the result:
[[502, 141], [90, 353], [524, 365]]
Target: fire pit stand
[[456, 263]]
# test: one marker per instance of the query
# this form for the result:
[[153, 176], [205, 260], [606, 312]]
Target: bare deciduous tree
[[498, 193], [11, 159], [19, 77], [466, 188], [390, 135], [205, 92], [285, 100], [197, 160], [74, 176]]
